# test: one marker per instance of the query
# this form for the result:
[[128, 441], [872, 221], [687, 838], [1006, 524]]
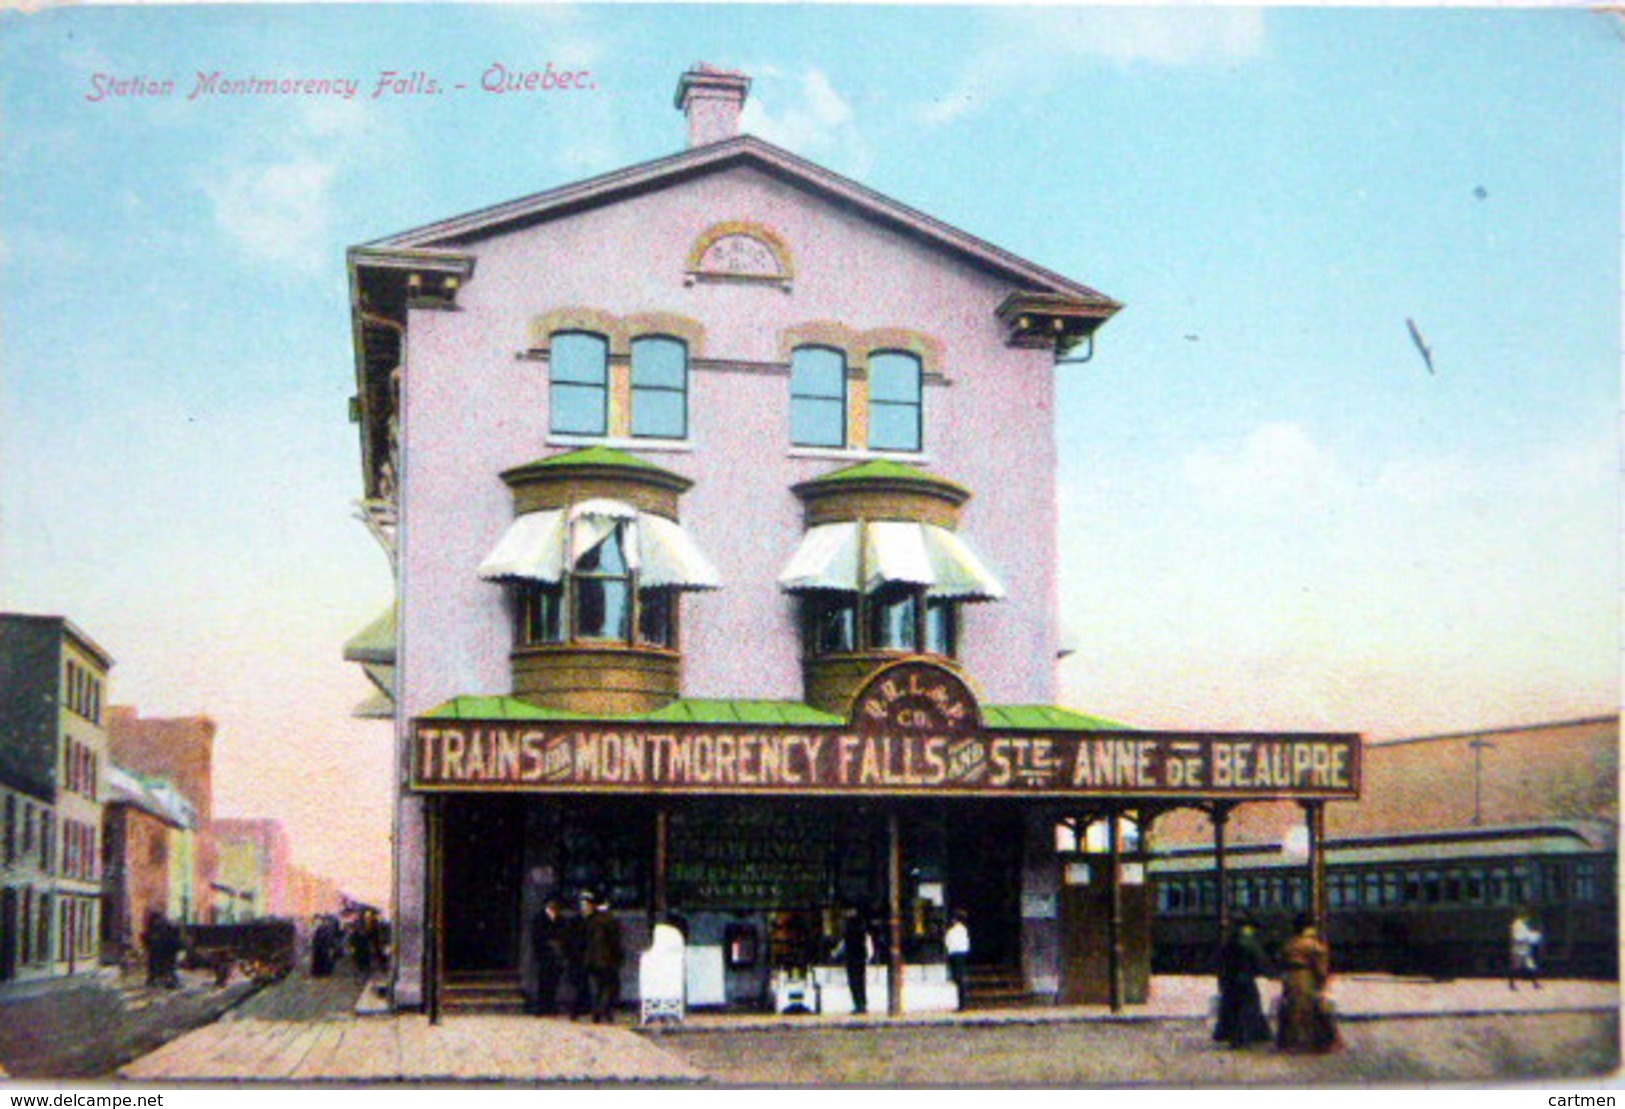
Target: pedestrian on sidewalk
[[1526, 940], [606, 955], [1241, 1009], [547, 939], [575, 957], [855, 950], [956, 944], [1308, 1021]]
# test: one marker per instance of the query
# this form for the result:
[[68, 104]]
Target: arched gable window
[[818, 397], [578, 383]]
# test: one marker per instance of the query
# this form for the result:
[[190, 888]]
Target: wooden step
[[997, 987], [487, 993]]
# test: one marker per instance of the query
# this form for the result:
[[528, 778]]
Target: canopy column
[[1315, 820], [894, 913]]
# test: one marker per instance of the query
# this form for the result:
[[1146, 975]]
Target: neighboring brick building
[[53, 752], [310, 894], [178, 750], [147, 833], [255, 861]]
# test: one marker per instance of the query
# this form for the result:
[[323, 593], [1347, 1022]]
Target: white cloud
[[1029, 47], [1278, 465], [811, 118], [279, 212]]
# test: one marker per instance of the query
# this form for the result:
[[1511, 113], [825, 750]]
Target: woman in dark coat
[[1307, 1021], [1241, 1009]]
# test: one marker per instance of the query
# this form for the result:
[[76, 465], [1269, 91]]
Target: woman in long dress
[[1307, 1021], [1241, 1009]]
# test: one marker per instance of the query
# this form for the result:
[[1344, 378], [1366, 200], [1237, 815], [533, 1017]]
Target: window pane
[[659, 414], [659, 363], [606, 558], [579, 357], [817, 372], [894, 377], [540, 612], [603, 608], [894, 427], [817, 423], [942, 627], [829, 623], [579, 409], [655, 624], [891, 618]]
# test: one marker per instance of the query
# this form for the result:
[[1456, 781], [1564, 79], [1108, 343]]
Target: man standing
[[1525, 942], [575, 956], [956, 942], [547, 939], [606, 953], [855, 954]]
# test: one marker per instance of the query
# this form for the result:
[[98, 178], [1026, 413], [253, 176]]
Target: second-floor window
[[578, 383]]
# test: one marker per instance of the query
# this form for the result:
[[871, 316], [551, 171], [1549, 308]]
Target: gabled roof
[[449, 235]]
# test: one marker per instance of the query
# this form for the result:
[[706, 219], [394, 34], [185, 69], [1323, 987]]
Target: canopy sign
[[915, 729]]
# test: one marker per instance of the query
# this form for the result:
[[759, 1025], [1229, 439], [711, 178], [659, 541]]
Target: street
[[88, 1029]]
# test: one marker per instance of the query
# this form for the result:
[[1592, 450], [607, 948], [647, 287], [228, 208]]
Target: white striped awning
[[538, 545], [891, 551]]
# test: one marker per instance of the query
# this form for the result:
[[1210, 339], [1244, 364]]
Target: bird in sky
[[1421, 343]]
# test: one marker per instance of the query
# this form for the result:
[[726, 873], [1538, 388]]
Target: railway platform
[[388, 1047]]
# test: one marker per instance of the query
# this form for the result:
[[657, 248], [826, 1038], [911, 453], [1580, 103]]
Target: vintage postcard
[[794, 546]]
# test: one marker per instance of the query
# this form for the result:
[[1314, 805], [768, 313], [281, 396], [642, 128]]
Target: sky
[[1275, 514]]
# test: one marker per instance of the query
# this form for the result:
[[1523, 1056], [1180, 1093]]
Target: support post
[[436, 949], [1114, 920], [1219, 814], [659, 903], [1315, 819], [894, 967]]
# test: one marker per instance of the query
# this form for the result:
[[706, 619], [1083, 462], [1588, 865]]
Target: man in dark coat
[[606, 954], [855, 955], [575, 957], [547, 941]]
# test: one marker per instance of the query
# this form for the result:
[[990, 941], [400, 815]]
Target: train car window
[[1497, 888], [1207, 893], [1413, 888], [1585, 880], [1551, 882], [1298, 891], [1452, 886], [1473, 880], [1430, 887]]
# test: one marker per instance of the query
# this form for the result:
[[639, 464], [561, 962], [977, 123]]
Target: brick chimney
[[712, 99]]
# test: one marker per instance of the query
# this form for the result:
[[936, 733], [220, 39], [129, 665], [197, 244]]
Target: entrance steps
[[483, 993], [997, 987]]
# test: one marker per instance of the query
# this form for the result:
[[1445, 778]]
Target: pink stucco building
[[721, 493]]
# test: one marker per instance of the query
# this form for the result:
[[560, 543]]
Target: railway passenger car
[[1438, 904]]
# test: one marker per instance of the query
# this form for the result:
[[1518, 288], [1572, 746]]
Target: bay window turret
[[597, 562], [880, 573]]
